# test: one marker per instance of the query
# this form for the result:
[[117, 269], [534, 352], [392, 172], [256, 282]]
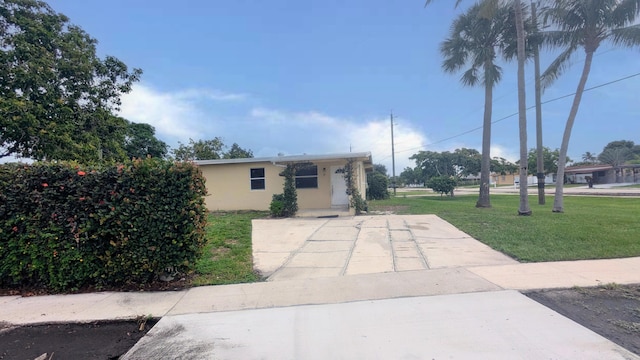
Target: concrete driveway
[[288, 249]]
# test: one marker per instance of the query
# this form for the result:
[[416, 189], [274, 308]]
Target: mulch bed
[[97, 340], [612, 311]]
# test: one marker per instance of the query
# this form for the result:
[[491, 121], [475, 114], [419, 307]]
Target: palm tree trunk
[[484, 200], [539, 153], [522, 113], [558, 203]]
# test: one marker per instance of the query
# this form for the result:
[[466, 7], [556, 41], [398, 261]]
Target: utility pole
[[393, 159]]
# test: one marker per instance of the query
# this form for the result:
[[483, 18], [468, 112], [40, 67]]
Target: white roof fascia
[[287, 159]]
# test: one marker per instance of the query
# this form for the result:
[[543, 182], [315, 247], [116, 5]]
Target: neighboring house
[[250, 183], [514, 179], [603, 174], [502, 179]]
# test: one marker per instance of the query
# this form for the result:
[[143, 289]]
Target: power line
[[514, 114]]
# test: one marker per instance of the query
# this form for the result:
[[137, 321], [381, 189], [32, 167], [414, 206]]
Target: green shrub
[[358, 204], [63, 226], [377, 185], [442, 184], [276, 208], [290, 196]]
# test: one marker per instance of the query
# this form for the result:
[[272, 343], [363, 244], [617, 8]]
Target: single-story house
[[603, 173], [514, 179], [250, 183]]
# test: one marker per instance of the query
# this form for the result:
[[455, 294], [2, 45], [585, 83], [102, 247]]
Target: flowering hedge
[[64, 226]]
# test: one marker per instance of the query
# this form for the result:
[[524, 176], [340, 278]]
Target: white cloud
[[215, 95], [175, 115], [509, 154], [315, 132]]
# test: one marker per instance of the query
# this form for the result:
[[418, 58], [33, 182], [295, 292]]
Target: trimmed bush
[[276, 208], [442, 184], [64, 226], [377, 184]]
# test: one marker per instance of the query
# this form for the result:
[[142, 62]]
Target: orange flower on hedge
[[82, 173], [45, 184]]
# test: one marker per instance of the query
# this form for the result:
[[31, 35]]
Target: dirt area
[[612, 311], [100, 340]]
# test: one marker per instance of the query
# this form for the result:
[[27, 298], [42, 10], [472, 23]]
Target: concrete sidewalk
[[341, 288], [487, 325]]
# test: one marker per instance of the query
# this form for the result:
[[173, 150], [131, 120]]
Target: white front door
[[339, 195]]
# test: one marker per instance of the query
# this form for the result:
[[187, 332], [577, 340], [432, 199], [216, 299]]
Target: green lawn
[[590, 228], [227, 257]]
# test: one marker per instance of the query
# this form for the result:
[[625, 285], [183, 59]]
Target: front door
[[339, 195]]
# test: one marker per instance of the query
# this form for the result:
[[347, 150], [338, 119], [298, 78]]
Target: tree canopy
[[140, 142], [57, 96], [211, 149], [461, 162], [549, 157]]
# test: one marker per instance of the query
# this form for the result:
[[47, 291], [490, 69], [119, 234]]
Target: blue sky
[[320, 77]]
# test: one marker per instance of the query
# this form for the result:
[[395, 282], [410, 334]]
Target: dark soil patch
[[98, 340], [612, 311]]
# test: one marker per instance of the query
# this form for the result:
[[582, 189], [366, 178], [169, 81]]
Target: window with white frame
[[257, 179]]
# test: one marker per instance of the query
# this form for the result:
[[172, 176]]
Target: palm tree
[[475, 41], [538, 98], [524, 208], [589, 157], [488, 7], [585, 24]]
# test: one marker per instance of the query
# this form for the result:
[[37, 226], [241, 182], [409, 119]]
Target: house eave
[[292, 159]]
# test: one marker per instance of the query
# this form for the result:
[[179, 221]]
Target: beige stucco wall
[[229, 186]]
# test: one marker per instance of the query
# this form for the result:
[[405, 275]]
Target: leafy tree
[[585, 24], [380, 168], [476, 41], [56, 95], [140, 142], [442, 184], [503, 166], [432, 163], [467, 162], [199, 150], [209, 150], [377, 185], [236, 152], [625, 144], [550, 159], [461, 162], [410, 176]]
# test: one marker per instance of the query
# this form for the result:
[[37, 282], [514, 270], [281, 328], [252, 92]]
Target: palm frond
[[470, 77], [628, 36], [557, 67], [557, 38], [492, 74], [625, 12], [427, 2]]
